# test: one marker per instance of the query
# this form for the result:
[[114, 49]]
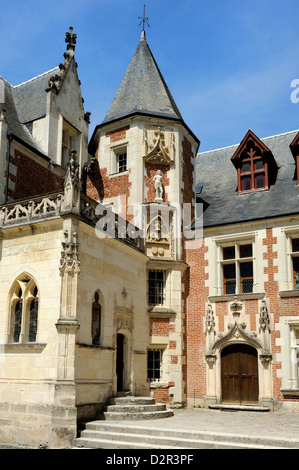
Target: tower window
[[156, 287], [154, 362], [122, 162]]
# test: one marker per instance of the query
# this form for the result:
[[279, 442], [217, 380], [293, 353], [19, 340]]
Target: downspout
[[9, 136]]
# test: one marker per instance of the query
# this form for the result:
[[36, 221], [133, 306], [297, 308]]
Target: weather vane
[[143, 19]]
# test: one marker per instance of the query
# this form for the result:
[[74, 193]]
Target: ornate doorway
[[239, 374]]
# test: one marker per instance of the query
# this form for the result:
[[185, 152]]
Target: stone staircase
[[134, 408], [129, 435]]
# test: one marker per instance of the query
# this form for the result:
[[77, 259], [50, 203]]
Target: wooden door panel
[[239, 374]]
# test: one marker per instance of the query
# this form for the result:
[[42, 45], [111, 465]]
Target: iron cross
[[143, 19]]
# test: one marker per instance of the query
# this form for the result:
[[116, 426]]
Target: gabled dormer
[[255, 164], [51, 107], [294, 146]]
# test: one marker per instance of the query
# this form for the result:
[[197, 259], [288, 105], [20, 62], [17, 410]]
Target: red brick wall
[[118, 134], [32, 178], [195, 312], [188, 168], [100, 186], [159, 327], [278, 307], [151, 170]]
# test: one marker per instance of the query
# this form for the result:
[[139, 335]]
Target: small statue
[[158, 185]]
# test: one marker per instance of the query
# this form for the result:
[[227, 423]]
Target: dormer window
[[253, 171], [70, 141], [253, 160]]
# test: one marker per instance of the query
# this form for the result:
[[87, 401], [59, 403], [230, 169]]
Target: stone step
[[126, 440], [128, 400], [179, 438], [134, 415], [135, 408], [239, 407]]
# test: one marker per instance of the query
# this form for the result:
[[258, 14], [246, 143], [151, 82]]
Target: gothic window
[[96, 320], [156, 287], [24, 299], [154, 363], [70, 141], [237, 269], [17, 323], [255, 164], [33, 317], [252, 171]]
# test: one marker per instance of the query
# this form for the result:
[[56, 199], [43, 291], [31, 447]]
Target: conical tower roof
[[143, 90]]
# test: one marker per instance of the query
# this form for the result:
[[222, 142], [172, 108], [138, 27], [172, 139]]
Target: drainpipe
[[9, 137]]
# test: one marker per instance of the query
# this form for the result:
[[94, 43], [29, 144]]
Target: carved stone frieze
[[210, 319], [157, 151], [69, 261], [123, 318]]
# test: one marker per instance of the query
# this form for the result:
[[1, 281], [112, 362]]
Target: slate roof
[[30, 96], [143, 90], [218, 177], [15, 126]]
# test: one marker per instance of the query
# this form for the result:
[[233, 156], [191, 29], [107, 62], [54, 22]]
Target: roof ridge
[[37, 76], [234, 145]]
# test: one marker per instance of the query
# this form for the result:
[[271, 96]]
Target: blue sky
[[229, 64]]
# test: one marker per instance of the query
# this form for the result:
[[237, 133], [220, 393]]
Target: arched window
[[17, 324], [24, 310], [96, 320], [33, 317]]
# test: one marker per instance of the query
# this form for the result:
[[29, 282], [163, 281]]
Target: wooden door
[[120, 361], [239, 374]]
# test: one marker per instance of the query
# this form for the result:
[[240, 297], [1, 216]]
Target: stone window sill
[[291, 392], [231, 297], [27, 346], [159, 311], [159, 384], [288, 293], [119, 173]]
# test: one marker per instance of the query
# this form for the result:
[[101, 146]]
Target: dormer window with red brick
[[252, 160]]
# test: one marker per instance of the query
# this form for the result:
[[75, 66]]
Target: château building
[[132, 262]]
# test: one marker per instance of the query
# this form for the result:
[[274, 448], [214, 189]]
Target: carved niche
[[156, 150]]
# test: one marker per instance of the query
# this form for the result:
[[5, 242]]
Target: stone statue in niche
[[158, 185]]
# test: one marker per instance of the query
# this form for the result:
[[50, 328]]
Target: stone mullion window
[[237, 268], [23, 311]]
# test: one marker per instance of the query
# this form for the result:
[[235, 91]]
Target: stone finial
[[71, 39]]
